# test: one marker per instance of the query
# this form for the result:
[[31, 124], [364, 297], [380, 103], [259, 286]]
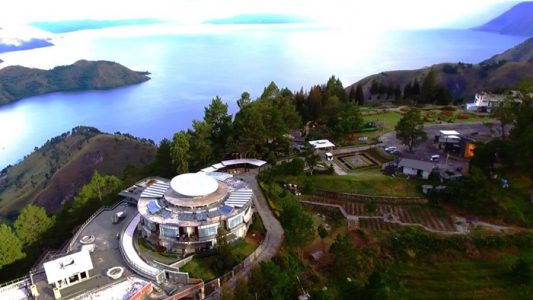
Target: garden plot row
[[411, 214], [375, 224]]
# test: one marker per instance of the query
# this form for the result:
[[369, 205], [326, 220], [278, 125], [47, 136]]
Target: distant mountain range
[[516, 21], [17, 82], [76, 25], [464, 80]]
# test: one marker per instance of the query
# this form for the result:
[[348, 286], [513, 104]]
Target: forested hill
[[17, 82], [460, 79], [53, 173], [516, 21]]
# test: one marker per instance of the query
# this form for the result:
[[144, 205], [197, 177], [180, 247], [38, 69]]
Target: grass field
[[201, 267], [465, 278], [371, 182]]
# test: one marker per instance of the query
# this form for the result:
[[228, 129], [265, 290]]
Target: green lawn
[[368, 182], [464, 278], [201, 267]]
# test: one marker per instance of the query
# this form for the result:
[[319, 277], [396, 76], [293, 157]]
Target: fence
[[243, 267], [369, 198]]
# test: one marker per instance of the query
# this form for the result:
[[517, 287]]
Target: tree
[[505, 113], [200, 144], [241, 290], [96, 192], [180, 151], [10, 246], [322, 233], [226, 259], [310, 157], [244, 100], [226, 293], [521, 272], [334, 88], [32, 223], [410, 128], [429, 87], [298, 225], [162, 165], [216, 116], [359, 95]]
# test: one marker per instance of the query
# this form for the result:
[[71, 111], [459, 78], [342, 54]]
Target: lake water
[[190, 66]]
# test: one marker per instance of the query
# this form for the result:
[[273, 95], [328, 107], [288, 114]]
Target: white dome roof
[[194, 184]]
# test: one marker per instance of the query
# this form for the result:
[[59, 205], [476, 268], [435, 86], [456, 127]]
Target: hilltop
[[464, 80], [53, 173], [516, 21], [17, 82]]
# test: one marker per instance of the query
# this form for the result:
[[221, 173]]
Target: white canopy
[[321, 144], [449, 132], [194, 184]]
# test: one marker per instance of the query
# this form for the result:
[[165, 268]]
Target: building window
[[207, 230], [169, 231], [233, 222], [150, 225]]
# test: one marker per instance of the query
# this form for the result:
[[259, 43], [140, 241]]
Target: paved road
[[274, 235]]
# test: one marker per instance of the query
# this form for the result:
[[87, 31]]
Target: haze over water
[[190, 66]]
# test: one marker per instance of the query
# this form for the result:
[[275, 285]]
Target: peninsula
[[17, 82]]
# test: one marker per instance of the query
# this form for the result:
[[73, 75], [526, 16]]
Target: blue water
[[188, 70]]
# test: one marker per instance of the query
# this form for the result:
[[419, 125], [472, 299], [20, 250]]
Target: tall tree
[[334, 88], [180, 151], [32, 223], [244, 100], [315, 102], [217, 117], [241, 290], [298, 225], [249, 131], [359, 95], [505, 113], [10, 246], [162, 165], [429, 87], [201, 148], [410, 128], [310, 157]]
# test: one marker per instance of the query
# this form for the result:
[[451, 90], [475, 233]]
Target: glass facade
[[169, 231], [234, 221], [207, 230]]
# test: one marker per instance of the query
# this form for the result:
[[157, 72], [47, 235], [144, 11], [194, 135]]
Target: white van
[[328, 156], [435, 158]]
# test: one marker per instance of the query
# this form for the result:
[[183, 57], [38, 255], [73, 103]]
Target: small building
[[68, 270], [322, 145], [485, 102], [413, 167]]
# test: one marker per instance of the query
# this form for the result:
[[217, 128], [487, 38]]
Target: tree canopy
[[410, 128], [32, 223], [10, 246]]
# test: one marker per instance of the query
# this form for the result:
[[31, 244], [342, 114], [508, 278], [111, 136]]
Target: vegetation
[[32, 223], [53, 173], [410, 129], [461, 80], [10, 247], [19, 82]]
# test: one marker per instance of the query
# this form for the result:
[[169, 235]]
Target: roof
[[249, 161], [239, 198], [67, 266], [194, 184], [155, 190], [416, 164], [449, 132], [320, 144]]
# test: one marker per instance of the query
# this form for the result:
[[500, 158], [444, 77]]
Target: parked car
[[392, 150], [435, 158]]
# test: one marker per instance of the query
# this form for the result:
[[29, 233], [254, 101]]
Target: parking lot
[[426, 149]]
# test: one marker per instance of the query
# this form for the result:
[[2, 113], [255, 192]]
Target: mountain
[[19, 44], [464, 80], [247, 19], [17, 82], [520, 53], [516, 21], [76, 25], [53, 173]]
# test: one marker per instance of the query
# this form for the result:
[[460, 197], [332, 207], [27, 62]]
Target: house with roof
[[413, 167]]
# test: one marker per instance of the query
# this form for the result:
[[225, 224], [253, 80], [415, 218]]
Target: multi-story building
[[184, 215]]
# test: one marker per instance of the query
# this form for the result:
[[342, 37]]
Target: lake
[[191, 65]]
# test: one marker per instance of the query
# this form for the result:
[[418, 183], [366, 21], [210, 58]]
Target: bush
[[521, 272]]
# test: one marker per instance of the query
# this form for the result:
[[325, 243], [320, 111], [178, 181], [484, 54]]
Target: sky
[[380, 14]]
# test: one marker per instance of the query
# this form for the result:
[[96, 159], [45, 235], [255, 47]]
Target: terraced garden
[[430, 218]]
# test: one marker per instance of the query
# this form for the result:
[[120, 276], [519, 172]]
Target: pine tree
[[10, 246], [360, 95]]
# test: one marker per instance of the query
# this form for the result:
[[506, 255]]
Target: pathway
[[274, 235]]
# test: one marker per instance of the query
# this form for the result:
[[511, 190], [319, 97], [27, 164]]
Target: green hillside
[[464, 80], [17, 82], [52, 175]]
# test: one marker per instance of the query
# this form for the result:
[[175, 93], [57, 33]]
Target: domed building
[[185, 214]]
